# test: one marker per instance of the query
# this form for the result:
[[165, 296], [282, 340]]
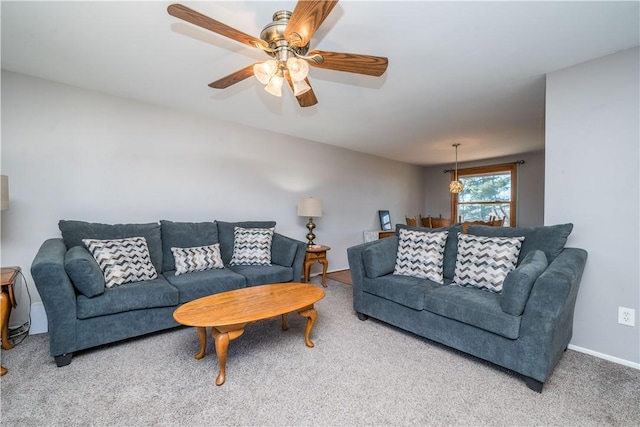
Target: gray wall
[[76, 154], [530, 209], [592, 179]]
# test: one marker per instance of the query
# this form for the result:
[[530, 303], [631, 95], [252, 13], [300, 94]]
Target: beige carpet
[[358, 373]]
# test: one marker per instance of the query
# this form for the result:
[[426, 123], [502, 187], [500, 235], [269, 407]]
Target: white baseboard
[[38, 319], [605, 357]]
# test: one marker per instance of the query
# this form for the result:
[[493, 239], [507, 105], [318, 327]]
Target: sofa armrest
[[357, 263], [288, 252], [547, 322], [58, 295]]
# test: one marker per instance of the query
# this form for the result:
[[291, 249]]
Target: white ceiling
[[468, 72]]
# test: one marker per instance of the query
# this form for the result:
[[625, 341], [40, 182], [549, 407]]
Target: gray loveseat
[[525, 328], [83, 313]]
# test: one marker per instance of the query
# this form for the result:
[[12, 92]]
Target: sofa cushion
[[198, 258], [264, 274], [474, 307], [226, 234], [519, 282], [185, 235], [74, 231], [84, 271], [405, 290], [450, 249], [379, 258], [203, 283], [550, 239], [283, 250], [421, 254], [252, 246], [128, 297], [484, 262], [122, 260]]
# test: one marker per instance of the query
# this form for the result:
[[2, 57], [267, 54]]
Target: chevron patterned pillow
[[421, 254], [198, 258], [484, 262], [251, 246], [122, 260]]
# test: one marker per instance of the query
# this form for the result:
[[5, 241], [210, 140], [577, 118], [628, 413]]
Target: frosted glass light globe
[[265, 70], [298, 69]]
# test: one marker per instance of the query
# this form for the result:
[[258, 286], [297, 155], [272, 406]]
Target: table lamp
[[310, 208]]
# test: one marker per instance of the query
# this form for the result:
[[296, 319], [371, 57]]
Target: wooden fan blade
[[233, 78], [308, 98], [351, 62], [305, 20], [196, 18]]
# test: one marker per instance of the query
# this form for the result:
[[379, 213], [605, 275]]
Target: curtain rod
[[517, 162]]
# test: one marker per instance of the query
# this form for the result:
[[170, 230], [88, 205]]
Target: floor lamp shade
[[4, 189], [310, 208]]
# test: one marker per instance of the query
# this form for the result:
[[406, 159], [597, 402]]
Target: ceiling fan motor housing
[[273, 34]]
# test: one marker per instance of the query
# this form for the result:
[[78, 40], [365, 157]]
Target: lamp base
[[310, 235]]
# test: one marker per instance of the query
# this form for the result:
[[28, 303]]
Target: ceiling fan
[[286, 41]]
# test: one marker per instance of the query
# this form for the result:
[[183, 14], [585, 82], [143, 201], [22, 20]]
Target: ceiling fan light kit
[[286, 40]]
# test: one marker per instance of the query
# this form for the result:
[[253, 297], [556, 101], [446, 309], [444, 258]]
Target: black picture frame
[[385, 220]]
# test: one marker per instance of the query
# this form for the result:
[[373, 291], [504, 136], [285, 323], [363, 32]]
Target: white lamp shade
[[310, 207], [300, 87], [274, 87], [4, 184], [265, 70], [298, 69]]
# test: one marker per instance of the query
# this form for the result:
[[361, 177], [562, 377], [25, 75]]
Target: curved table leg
[[5, 310], [311, 314], [221, 337], [307, 269], [202, 336], [285, 327], [325, 265]]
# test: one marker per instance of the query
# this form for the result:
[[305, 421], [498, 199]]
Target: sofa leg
[[63, 360], [362, 317], [534, 385]]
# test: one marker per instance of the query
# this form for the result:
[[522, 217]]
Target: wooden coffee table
[[227, 313]]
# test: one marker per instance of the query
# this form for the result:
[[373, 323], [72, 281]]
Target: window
[[489, 191]]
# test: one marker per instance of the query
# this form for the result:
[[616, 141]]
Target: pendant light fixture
[[456, 186]]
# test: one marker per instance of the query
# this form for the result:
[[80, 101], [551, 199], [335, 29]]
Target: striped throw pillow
[[484, 262], [251, 246], [421, 254], [198, 258], [122, 260]]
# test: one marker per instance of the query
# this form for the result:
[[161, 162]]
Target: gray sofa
[[83, 313], [524, 328]]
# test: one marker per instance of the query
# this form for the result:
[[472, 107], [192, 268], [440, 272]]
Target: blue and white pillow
[[252, 246], [197, 258], [484, 262], [122, 260], [421, 254]]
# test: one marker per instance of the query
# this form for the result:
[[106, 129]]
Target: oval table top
[[247, 304]]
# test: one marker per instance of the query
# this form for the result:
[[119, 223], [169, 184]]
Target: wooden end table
[[7, 301], [316, 254], [227, 313]]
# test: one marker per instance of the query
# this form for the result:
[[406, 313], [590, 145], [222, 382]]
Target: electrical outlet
[[626, 316]]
